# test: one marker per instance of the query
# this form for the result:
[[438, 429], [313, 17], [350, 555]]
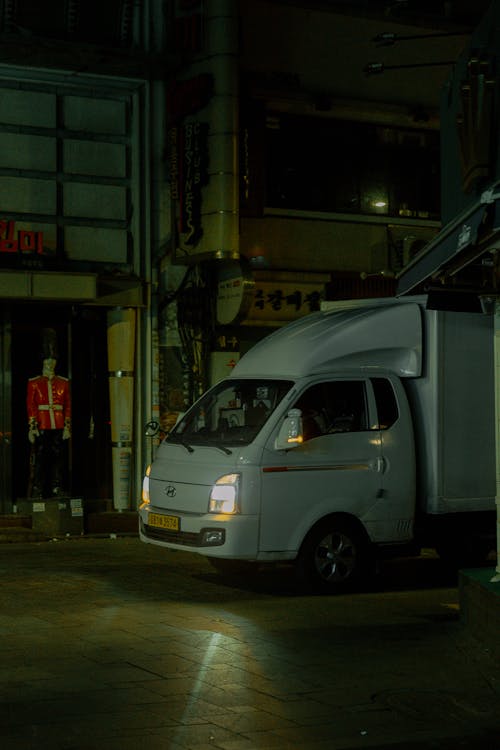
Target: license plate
[[160, 521]]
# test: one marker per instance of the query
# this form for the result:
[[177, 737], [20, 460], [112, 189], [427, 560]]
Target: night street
[[110, 643], [249, 305]]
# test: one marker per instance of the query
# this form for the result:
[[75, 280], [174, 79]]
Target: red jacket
[[49, 402]]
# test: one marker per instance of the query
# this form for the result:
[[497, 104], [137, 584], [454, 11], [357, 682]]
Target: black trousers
[[48, 463]]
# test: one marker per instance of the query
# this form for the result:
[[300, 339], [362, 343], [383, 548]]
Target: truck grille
[[174, 537]]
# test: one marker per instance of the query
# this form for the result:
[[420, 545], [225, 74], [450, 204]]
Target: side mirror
[[152, 428], [291, 433]]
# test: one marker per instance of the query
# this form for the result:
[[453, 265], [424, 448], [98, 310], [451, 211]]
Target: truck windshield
[[231, 413]]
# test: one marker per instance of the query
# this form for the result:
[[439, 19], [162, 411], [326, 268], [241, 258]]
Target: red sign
[[21, 241], [186, 97], [188, 26]]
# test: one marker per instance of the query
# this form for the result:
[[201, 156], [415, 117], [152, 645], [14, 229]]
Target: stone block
[[54, 517]]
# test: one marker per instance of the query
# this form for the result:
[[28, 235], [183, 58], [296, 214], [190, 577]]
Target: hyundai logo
[[170, 490]]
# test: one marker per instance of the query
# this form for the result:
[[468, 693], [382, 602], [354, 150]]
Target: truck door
[[350, 462], [392, 518], [338, 468]]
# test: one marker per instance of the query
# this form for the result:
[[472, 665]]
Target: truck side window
[[311, 405], [387, 407], [346, 406], [333, 406]]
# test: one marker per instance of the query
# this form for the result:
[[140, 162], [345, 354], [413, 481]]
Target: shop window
[[351, 167]]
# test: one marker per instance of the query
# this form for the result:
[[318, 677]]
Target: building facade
[[176, 180]]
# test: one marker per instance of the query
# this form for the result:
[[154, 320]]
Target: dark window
[[387, 407], [331, 407], [108, 23], [351, 167]]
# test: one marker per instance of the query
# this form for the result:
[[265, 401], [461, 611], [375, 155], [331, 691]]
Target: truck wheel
[[334, 557]]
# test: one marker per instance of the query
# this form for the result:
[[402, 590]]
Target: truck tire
[[335, 557]]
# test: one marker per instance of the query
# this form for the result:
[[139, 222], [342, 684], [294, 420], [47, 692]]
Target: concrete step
[[16, 519], [19, 527], [12, 534]]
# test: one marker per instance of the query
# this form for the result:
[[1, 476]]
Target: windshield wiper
[[180, 441], [223, 449]]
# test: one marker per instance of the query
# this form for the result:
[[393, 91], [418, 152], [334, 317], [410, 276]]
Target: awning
[[121, 291], [458, 244], [85, 288], [47, 286]]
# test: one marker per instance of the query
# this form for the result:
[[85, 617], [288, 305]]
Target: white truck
[[365, 428]]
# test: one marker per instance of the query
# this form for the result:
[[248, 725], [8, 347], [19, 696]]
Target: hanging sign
[[234, 293], [476, 121], [188, 26], [285, 300], [193, 175]]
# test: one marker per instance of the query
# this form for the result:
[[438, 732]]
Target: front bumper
[[183, 538], [234, 537]]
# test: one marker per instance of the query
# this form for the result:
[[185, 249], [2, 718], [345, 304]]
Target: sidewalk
[[480, 608], [110, 644]]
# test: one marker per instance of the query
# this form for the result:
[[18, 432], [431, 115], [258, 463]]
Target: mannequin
[[48, 403]]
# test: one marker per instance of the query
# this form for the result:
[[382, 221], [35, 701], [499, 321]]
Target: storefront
[[74, 260]]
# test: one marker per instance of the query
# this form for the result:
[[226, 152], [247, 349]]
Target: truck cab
[[301, 455]]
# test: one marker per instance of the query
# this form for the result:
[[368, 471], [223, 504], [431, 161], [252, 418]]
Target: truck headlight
[[224, 494], [145, 489]]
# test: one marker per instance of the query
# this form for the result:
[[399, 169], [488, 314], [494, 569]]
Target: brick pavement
[[109, 644]]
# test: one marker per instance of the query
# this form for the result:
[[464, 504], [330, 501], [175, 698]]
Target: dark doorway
[[91, 441], [81, 344]]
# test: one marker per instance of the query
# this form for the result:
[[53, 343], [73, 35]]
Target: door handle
[[378, 464]]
